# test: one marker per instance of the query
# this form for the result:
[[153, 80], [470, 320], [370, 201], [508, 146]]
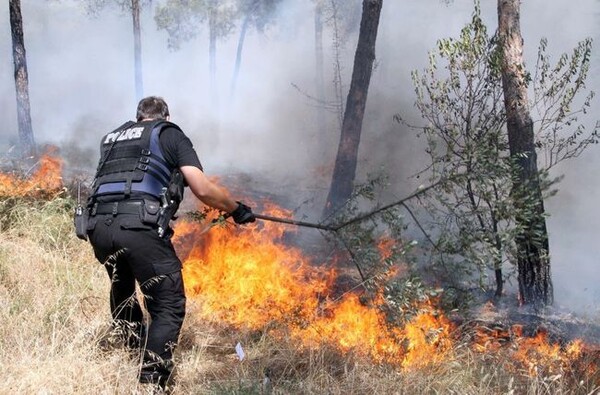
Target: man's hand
[[242, 214]]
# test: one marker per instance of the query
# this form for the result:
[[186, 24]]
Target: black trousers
[[130, 251]]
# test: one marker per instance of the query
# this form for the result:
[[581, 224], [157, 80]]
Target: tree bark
[[535, 283], [238, 56], [21, 81], [212, 53], [137, 49], [344, 171], [319, 69]]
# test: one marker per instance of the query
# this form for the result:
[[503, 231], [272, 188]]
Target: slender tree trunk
[[498, 262], [137, 49], [344, 171], [21, 80], [319, 69], [535, 283], [212, 53], [238, 56]]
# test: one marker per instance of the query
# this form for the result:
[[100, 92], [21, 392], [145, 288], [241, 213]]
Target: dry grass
[[54, 311]]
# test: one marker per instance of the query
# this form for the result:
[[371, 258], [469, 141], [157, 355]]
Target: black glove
[[242, 214]]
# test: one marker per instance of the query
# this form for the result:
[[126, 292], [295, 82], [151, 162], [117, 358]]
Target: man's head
[[152, 107]]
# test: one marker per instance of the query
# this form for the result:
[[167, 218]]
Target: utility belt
[[114, 208], [148, 210]]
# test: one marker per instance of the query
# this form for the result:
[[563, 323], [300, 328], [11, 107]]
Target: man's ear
[[168, 118]]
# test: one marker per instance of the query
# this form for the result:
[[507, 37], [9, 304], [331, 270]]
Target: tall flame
[[249, 278]]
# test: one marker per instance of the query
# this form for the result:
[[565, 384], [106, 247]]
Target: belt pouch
[[150, 212]]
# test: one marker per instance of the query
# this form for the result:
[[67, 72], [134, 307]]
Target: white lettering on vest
[[127, 134]]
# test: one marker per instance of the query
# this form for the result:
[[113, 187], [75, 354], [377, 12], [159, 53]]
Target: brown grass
[[54, 311]]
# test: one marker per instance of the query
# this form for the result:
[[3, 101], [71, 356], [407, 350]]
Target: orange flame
[[46, 180], [385, 247], [249, 278], [246, 279], [429, 340], [538, 354]]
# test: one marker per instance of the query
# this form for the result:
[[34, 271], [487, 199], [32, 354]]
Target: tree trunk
[[238, 56], [535, 283], [319, 69], [498, 263], [344, 171], [137, 49], [212, 53], [21, 81]]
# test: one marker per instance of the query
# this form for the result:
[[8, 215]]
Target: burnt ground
[[504, 318]]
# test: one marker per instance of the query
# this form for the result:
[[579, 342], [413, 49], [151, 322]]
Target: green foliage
[[219, 219], [95, 7], [557, 91], [259, 13], [472, 208], [182, 19], [378, 246], [405, 298], [460, 98], [363, 237]]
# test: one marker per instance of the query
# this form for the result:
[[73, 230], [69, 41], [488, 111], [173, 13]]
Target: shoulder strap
[[103, 160], [162, 124]]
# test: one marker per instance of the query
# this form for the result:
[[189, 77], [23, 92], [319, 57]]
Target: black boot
[[156, 370]]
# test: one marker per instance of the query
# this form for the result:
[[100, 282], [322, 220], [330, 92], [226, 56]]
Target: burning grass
[[44, 182], [249, 281], [249, 288]]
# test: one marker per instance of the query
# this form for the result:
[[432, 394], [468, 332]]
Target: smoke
[[82, 85], [573, 214]]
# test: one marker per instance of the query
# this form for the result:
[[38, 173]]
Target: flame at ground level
[[45, 181], [248, 278], [538, 356]]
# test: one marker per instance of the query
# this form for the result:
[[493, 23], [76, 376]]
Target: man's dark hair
[[152, 107]]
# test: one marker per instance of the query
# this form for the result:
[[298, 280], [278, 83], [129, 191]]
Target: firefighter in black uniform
[[139, 184]]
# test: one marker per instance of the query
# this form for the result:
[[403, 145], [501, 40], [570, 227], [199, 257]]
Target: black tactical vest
[[132, 161]]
